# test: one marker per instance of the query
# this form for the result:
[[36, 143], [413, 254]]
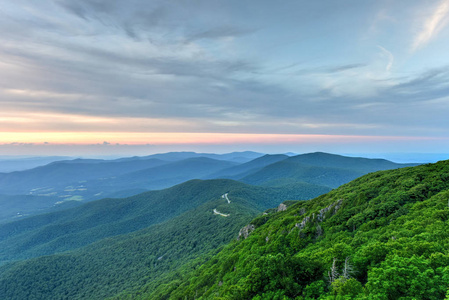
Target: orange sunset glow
[[167, 138]]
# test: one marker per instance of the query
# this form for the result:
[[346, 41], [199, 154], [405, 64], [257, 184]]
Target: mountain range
[[168, 244], [84, 180]]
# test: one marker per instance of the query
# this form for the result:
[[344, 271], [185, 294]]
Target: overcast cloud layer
[[376, 67]]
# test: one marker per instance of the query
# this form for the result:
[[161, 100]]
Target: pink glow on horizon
[[174, 138]]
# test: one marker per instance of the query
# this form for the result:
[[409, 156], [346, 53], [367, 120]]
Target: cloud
[[432, 26], [157, 20], [313, 70], [136, 19], [88, 8], [390, 57], [18, 144], [165, 66], [218, 33], [430, 81], [344, 68]]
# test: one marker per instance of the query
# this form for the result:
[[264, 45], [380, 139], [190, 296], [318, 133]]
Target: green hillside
[[252, 166], [64, 230], [64, 173], [85, 180], [142, 258], [382, 236], [287, 171], [365, 165], [70, 229], [318, 168], [164, 176], [14, 207]]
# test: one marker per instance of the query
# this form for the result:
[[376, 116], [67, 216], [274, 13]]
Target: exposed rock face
[[246, 231], [282, 207], [338, 205], [303, 223], [335, 206]]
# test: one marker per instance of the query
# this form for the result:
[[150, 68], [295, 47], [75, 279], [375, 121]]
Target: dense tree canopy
[[382, 236]]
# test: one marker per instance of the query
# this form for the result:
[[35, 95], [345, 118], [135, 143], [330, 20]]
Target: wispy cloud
[[432, 84], [390, 57], [344, 68], [219, 32], [433, 25]]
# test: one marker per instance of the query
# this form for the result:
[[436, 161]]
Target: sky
[[137, 77]]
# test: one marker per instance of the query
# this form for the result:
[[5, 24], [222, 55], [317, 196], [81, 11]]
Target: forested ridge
[[63, 184], [382, 236], [132, 259]]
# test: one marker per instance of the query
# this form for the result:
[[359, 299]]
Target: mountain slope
[[318, 168], [86, 180], [365, 165], [288, 172], [65, 230], [15, 207], [49, 233], [238, 157], [64, 173], [252, 166], [13, 163], [156, 178], [382, 236], [125, 262], [129, 261], [171, 174]]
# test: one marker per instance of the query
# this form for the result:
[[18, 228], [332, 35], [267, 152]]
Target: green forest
[[382, 236], [117, 259]]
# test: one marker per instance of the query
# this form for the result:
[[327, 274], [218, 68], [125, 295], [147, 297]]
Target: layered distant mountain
[[162, 176], [238, 157], [250, 167], [90, 179], [319, 169], [61, 174], [57, 175], [11, 163]]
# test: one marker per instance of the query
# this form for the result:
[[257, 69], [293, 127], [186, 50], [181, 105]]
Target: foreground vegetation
[[382, 236]]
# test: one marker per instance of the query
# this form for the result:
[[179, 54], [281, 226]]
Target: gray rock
[[246, 231], [282, 207]]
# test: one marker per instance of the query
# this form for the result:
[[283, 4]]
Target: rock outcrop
[[282, 207], [246, 231]]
